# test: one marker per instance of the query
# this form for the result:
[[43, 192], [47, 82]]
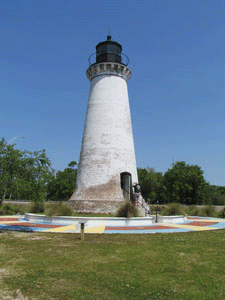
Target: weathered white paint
[[107, 146]]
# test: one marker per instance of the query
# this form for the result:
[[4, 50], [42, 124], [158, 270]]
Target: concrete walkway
[[191, 224]]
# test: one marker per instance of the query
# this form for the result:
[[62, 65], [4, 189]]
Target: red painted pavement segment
[[201, 223], [196, 223], [8, 219], [35, 225]]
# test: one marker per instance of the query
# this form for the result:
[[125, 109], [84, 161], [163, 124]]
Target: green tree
[[38, 174], [215, 195], [23, 174], [185, 184], [10, 163], [151, 184], [61, 187]]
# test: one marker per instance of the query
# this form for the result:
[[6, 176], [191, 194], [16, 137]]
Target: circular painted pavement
[[49, 225]]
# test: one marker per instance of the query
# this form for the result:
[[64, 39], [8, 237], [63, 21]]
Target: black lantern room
[[108, 51]]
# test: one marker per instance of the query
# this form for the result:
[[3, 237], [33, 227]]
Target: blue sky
[[176, 92]]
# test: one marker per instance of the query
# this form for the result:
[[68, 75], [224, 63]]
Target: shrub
[[59, 209], [7, 209], [207, 211], [37, 207], [127, 210], [11, 209], [173, 209], [221, 214], [159, 208], [192, 210]]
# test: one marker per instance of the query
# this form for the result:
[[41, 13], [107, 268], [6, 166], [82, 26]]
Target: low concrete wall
[[95, 224], [172, 219], [90, 221]]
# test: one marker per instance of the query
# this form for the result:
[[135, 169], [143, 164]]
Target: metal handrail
[[146, 209], [122, 55]]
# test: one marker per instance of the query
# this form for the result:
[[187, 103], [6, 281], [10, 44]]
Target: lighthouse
[[107, 169]]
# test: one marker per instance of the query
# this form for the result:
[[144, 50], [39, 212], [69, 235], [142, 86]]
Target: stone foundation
[[110, 191], [103, 198], [95, 206]]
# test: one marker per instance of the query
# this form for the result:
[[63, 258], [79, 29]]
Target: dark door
[[126, 185]]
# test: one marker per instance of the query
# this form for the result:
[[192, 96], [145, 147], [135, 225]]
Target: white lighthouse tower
[[107, 168]]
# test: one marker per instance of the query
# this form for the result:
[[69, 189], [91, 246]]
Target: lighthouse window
[[113, 49], [103, 49]]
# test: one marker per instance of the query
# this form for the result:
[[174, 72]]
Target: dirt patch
[[29, 235], [16, 295], [4, 273]]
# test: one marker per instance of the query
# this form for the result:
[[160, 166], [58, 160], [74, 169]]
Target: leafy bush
[[37, 207], [216, 195], [221, 214], [59, 209], [173, 209], [127, 210], [207, 211], [159, 208], [11, 209], [7, 209], [192, 210]]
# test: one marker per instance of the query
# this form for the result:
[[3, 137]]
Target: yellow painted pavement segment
[[10, 222], [98, 229], [207, 220], [16, 217], [197, 228], [62, 229]]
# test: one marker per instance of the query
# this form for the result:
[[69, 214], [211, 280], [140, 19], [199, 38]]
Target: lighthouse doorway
[[126, 185]]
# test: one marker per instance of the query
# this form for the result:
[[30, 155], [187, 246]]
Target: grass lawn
[[155, 266]]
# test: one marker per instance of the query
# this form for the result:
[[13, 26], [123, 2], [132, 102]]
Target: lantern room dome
[[108, 51]]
